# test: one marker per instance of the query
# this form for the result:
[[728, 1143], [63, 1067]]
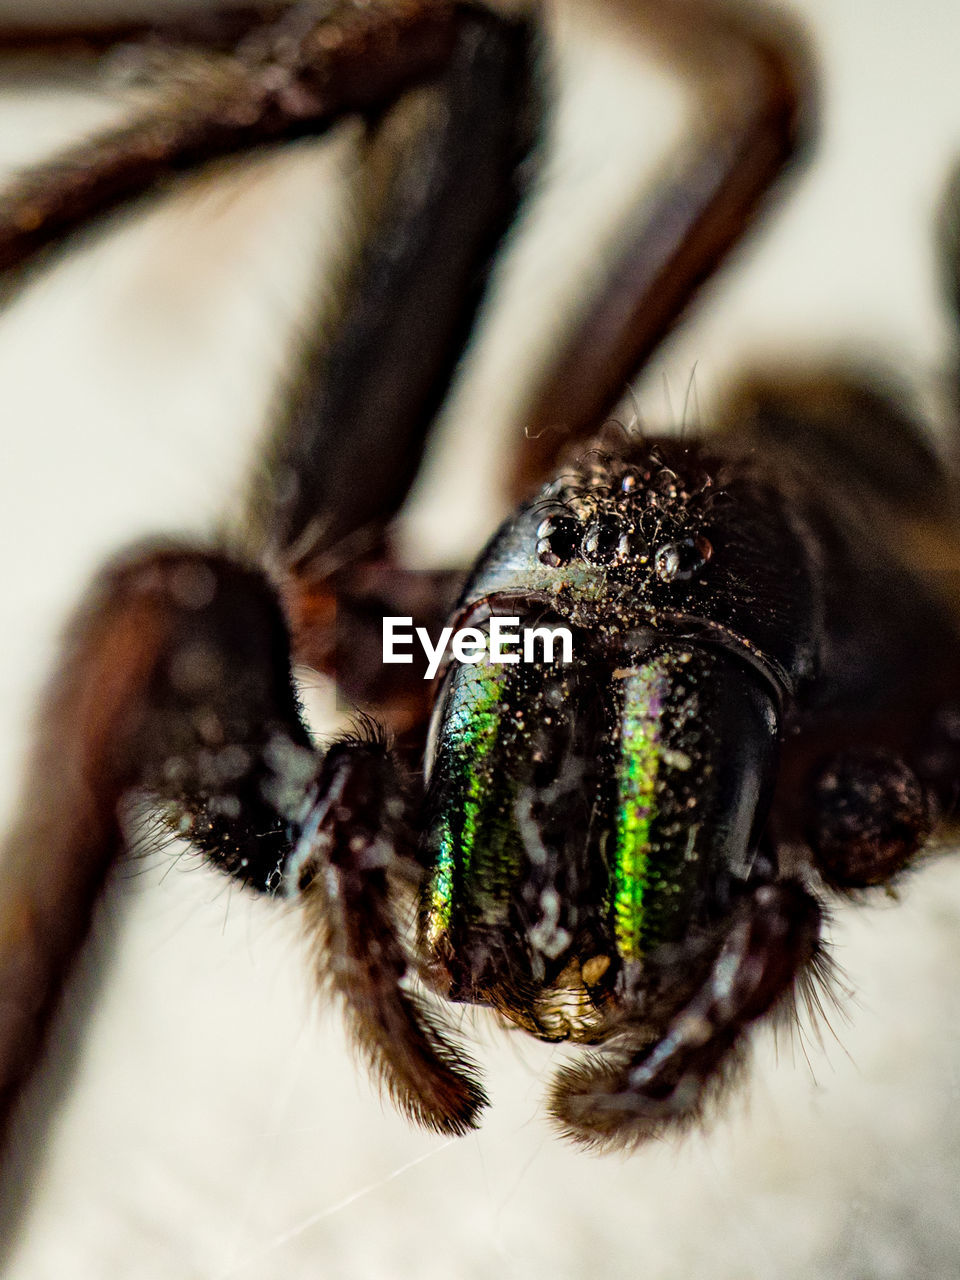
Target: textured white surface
[[215, 1124]]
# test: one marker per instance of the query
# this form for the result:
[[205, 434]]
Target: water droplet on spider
[[558, 540], [605, 541], [555, 694], [681, 560]]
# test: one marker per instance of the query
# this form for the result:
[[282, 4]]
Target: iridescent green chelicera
[[644, 695], [474, 728]]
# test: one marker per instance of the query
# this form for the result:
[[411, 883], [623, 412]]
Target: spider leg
[[177, 682], [639, 1083], [851, 429], [753, 121], [355, 846], [446, 170], [220, 29], [869, 815], [337, 629], [444, 178], [293, 79], [134, 698]]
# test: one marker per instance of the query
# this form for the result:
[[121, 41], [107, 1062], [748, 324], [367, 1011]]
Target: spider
[[622, 851]]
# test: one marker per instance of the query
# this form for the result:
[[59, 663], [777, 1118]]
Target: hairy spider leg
[[137, 702], [446, 170], [641, 1083], [444, 177], [356, 849], [283, 80], [216, 29], [754, 120]]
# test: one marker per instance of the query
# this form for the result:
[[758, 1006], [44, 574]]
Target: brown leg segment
[[286, 83], [443, 180], [221, 29], [175, 678], [337, 628], [756, 112], [353, 864], [634, 1089]]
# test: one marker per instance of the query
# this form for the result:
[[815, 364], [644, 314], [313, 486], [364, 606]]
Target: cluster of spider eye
[[636, 525]]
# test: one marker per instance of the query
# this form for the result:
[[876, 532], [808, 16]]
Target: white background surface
[[215, 1124]]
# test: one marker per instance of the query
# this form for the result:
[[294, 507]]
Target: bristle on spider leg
[[346, 870], [818, 999], [593, 1104]]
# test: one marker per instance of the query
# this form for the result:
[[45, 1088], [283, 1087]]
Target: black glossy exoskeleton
[[622, 850]]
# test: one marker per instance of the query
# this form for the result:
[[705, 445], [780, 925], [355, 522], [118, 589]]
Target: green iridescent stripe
[[473, 729], [644, 692]]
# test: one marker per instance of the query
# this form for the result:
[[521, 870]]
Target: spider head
[[591, 824]]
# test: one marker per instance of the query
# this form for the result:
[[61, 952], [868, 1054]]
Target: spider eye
[[679, 561], [558, 540], [605, 541]]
